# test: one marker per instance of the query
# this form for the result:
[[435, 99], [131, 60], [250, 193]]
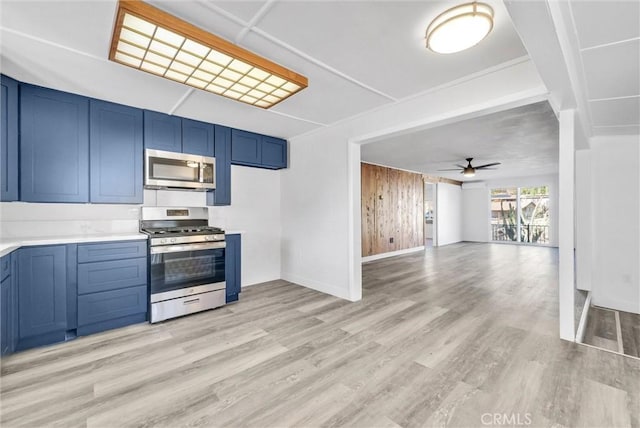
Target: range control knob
[[172, 240], [208, 238], [163, 241]]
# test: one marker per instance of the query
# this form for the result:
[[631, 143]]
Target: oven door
[[183, 270]]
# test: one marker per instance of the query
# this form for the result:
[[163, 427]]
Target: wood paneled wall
[[392, 207]]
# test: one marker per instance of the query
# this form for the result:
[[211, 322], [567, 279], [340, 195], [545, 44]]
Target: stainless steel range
[[186, 261]]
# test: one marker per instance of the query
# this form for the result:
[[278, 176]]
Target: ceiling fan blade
[[489, 169], [487, 165], [460, 166], [452, 169]]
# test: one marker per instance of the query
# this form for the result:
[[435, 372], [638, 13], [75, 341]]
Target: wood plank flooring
[[620, 335], [464, 335]]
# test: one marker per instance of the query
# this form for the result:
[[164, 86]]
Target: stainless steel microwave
[[170, 170]]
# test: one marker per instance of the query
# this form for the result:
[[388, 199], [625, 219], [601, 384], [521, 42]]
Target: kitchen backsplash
[[19, 219]]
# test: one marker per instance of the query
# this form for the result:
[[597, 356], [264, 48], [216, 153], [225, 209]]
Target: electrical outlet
[[390, 240]]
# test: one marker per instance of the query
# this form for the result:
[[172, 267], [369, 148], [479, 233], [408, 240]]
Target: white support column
[[566, 178]]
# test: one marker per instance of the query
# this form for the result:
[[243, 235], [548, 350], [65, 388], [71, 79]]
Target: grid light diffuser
[[151, 40]]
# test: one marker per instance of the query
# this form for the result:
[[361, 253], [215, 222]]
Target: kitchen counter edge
[[9, 245]]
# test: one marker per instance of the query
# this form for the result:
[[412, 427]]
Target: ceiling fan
[[469, 170]]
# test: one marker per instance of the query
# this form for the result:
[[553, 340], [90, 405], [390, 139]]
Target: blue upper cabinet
[[54, 146], [162, 132], [197, 138], [250, 149], [9, 140], [116, 153], [246, 148], [274, 152], [222, 194]]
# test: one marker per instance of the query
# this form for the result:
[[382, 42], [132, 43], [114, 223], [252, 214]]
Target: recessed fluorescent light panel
[[151, 40]]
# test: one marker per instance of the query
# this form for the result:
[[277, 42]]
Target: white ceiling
[[358, 55], [523, 139], [608, 55]]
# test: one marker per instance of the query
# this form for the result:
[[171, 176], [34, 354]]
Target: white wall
[[321, 188], [616, 222], [449, 206], [254, 210], [584, 217], [476, 212]]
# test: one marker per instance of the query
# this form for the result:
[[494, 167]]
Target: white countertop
[[11, 244], [233, 232]]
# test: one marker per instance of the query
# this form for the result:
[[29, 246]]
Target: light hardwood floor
[[463, 335]]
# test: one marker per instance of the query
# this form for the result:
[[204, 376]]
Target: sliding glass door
[[520, 214]]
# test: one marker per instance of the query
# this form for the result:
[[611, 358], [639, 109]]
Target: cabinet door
[[42, 294], [162, 132], [9, 140], [197, 138], [245, 148], [116, 153], [274, 152], [232, 267], [6, 326], [54, 146], [222, 194]]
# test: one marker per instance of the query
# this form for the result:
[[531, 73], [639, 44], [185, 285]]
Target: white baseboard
[[342, 293], [582, 325], [391, 254]]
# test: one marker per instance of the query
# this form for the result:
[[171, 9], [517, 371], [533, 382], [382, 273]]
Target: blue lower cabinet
[[112, 285], [232, 267], [111, 309], [111, 275], [42, 295], [6, 310]]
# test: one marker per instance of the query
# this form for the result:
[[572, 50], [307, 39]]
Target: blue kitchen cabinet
[[251, 149], [8, 312], [9, 140], [232, 268], [198, 138], [274, 152], [42, 295], [162, 132], [54, 146], [116, 153], [112, 285], [222, 194], [246, 148]]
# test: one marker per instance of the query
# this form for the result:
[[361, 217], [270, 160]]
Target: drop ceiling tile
[[245, 10], [613, 70], [85, 26], [382, 43], [618, 112], [31, 61], [328, 98], [207, 107], [600, 22], [201, 15]]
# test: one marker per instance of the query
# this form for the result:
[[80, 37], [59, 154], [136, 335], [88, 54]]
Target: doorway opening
[[520, 215], [430, 210]]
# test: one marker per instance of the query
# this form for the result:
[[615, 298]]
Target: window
[[520, 214]]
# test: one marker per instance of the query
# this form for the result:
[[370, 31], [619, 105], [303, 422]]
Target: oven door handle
[[162, 249]]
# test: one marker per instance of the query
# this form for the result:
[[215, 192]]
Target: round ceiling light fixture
[[460, 28]]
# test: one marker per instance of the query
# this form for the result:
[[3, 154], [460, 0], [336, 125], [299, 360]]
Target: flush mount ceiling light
[[460, 28], [154, 41]]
